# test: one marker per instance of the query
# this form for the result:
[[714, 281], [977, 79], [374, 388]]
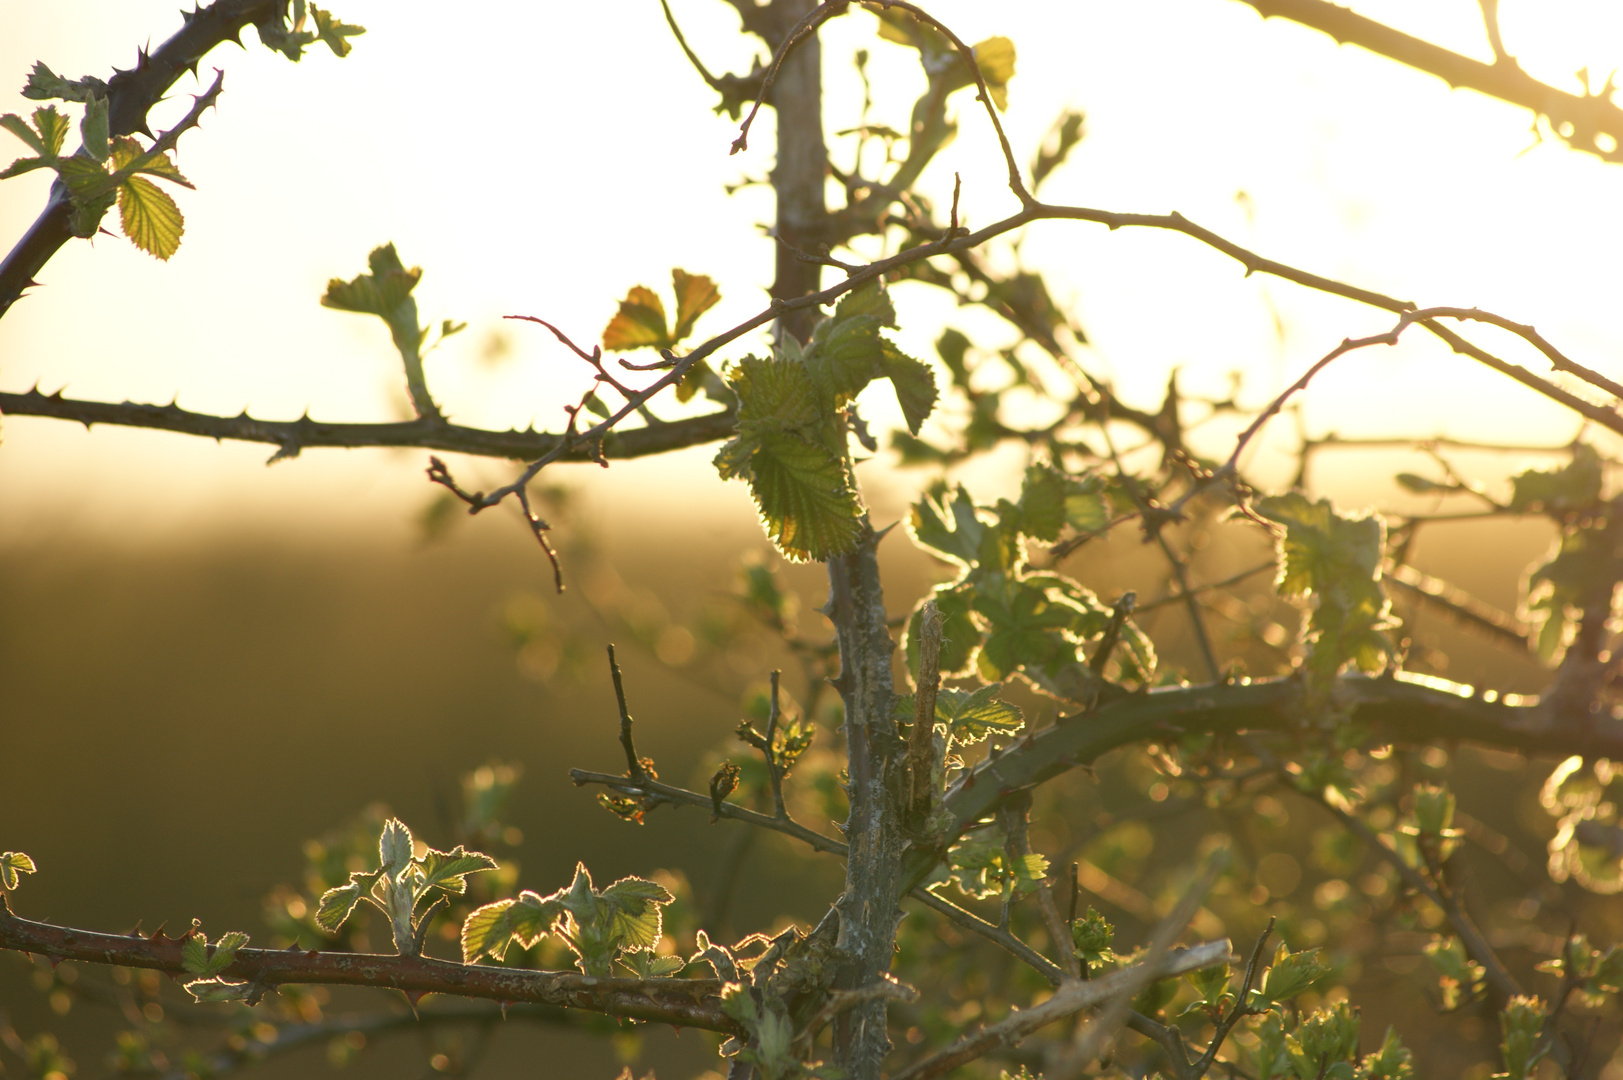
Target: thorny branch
[[683, 1002]]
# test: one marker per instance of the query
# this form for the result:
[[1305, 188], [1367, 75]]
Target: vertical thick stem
[[801, 171], [868, 908]]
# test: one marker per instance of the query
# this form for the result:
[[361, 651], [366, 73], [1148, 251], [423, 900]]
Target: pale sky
[[541, 159]]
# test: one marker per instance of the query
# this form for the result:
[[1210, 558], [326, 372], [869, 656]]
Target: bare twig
[[1476, 944], [806, 26], [1069, 999], [996, 934], [1240, 1010], [656, 792], [635, 769]]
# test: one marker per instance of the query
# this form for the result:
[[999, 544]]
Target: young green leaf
[[207, 990], [971, 717], [93, 128], [448, 870], [1391, 1062], [995, 58], [806, 498], [44, 84], [13, 864], [913, 382], [381, 291], [1292, 973], [337, 903], [150, 217], [334, 33], [395, 848], [490, 929]]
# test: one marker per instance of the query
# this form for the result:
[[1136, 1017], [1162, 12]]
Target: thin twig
[[996, 934], [657, 792], [1241, 1008], [1476, 945], [921, 739], [635, 769]]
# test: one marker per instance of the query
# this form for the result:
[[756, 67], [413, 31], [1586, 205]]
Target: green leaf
[[196, 959], [695, 295], [995, 57], [845, 355], [395, 848], [633, 906], [334, 33], [946, 522], [960, 635], [1292, 973], [1391, 1062], [640, 323], [44, 84], [1575, 486], [45, 138], [914, 384], [870, 299], [448, 869], [775, 395], [595, 406], [1092, 937], [127, 152], [490, 929], [337, 904], [381, 291], [13, 864], [150, 217], [93, 128], [971, 717], [1043, 502], [214, 990], [952, 347], [806, 498]]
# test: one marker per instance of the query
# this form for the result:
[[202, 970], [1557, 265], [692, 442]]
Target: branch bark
[[682, 1002], [1590, 115]]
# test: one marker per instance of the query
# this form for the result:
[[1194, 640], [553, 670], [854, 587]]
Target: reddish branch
[[1585, 117], [682, 1002]]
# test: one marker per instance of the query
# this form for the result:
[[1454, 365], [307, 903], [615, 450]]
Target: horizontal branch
[[292, 436], [1405, 709], [682, 1002], [1590, 115]]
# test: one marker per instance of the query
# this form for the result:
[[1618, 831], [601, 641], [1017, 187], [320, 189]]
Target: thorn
[[136, 932], [293, 947], [412, 998], [504, 1005], [53, 960], [312, 954], [158, 933]]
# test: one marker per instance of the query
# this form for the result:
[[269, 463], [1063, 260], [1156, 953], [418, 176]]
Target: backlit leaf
[[333, 32], [336, 905], [93, 128], [395, 846], [914, 384], [44, 84], [806, 499], [640, 322], [150, 217], [695, 295], [12, 864], [995, 58], [447, 869], [380, 291], [634, 906]]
